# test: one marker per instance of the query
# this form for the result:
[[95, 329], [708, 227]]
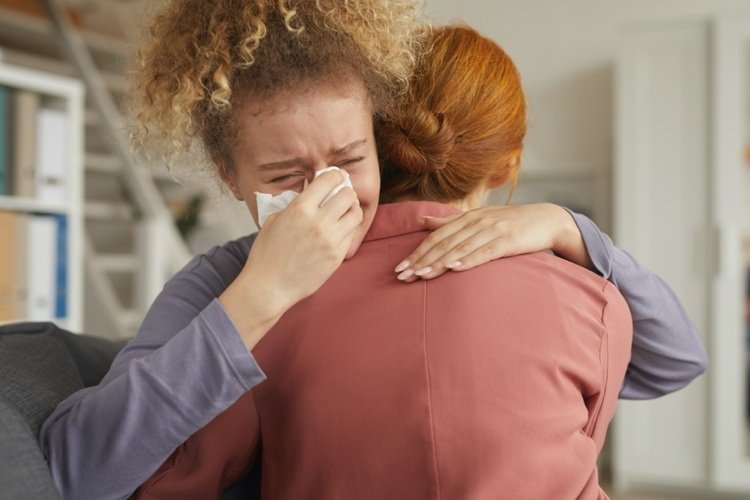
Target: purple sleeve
[[667, 352], [186, 365]]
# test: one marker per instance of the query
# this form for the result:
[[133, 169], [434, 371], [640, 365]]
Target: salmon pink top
[[493, 383]]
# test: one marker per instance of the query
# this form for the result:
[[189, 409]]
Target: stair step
[[108, 210], [91, 118], [129, 320], [117, 263], [93, 121], [115, 83], [37, 34], [102, 163]]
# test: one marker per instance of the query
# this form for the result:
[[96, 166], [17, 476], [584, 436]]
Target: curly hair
[[462, 121], [203, 55]]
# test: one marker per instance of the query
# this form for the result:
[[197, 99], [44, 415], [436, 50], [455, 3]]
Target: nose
[[312, 174]]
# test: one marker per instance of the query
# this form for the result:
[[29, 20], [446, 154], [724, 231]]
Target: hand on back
[[464, 241]]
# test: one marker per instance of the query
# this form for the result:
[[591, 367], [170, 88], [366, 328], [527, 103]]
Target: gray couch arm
[[40, 365]]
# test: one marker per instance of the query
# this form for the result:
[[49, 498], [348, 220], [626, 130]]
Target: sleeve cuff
[[598, 245], [227, 337]]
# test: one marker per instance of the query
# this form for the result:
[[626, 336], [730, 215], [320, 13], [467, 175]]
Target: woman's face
[[284, 139]]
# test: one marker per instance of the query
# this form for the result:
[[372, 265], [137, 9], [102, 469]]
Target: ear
[[229, 180], [497, 180], [510, 173]]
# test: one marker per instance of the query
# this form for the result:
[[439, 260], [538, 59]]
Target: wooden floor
[[637, 496]]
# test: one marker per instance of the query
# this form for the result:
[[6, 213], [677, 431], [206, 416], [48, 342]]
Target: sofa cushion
[[37, 370], [40, 365], [23, 471]]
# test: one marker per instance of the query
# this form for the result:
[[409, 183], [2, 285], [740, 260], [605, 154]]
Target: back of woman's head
[[461, 124], [203, 56]]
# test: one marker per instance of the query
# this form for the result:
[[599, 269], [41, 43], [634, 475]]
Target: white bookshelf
[[67, 95]]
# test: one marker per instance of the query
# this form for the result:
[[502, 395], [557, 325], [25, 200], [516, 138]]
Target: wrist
[[569, 243], [253, 307]]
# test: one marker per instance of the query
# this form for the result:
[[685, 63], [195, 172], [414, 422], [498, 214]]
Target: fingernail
[[424, 271], [404, 264], [405, 275], [454, 264]]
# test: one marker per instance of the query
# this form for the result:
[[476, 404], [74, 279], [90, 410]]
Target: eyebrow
[[291, 162], [352, 145], [281, 164]]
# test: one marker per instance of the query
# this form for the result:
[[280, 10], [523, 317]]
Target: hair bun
[[418, 141]]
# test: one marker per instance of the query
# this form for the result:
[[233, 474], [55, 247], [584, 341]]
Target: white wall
[[565, 51]]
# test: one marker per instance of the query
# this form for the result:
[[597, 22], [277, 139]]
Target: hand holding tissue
[[269, 204]]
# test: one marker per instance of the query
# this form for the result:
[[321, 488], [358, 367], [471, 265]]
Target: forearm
[[667, 351], [105, 441], [570, 243], [252, 309]]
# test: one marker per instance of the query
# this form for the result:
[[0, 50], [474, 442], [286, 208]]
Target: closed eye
[[286, 178], [350, 161]]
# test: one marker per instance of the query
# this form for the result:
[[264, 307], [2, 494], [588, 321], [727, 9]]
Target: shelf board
[[114, 82], [34, 32], [30, 205]]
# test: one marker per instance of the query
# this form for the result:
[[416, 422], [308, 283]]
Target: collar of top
[[395, 219]]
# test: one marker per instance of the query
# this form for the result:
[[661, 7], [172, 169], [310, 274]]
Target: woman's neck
[[473, 200]]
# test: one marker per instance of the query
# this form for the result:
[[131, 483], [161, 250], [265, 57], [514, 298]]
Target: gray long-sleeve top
[[188, 364]]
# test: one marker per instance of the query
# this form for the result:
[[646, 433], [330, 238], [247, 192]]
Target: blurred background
[[639, 117]]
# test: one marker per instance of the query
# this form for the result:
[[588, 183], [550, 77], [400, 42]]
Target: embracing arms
[[190, 360], [667, 351]]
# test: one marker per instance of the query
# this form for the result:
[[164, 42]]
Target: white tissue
[[269, 204]]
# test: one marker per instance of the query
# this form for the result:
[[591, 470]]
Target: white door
[[731, 293], [661, 188]]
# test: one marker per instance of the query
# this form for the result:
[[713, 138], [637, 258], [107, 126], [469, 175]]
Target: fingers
[[320, 188], [453, 248], [308, 204], [445, 246], [339, 204], [434, 223], [347, 225], [491, 250], [467, 248], [438, 242]]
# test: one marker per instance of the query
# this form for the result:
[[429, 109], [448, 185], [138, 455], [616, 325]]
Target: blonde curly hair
[[203, 55]]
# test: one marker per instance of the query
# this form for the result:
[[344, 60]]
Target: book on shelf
[[5, 168], [40, 268], [25, 106], [7, 265], [21, 116], [61, 266], [33, 267], [51, 145], [13, 277]]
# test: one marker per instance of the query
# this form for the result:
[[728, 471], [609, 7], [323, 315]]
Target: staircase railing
[[162, 248]]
